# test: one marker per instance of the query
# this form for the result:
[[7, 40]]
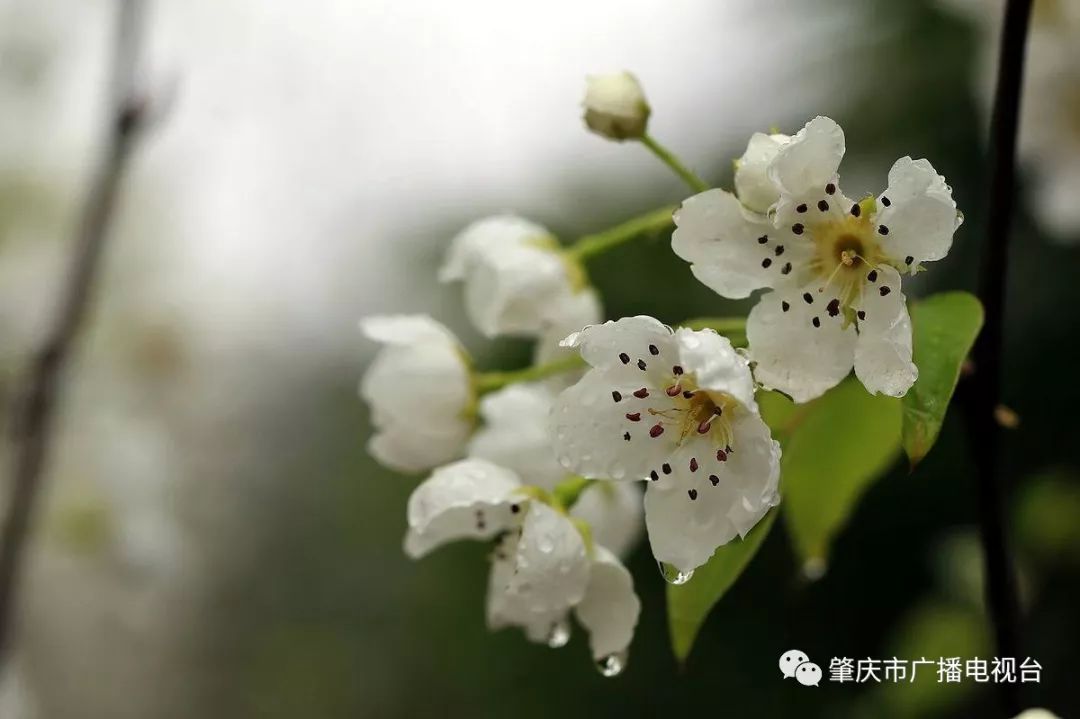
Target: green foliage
[[838, 445], [945, 326], [689, 604], [833, 448], [934, 629]]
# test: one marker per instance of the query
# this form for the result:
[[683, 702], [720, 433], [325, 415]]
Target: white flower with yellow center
[[543, 567], [420, 391], [676, 408], [833, 265], [517, 279]]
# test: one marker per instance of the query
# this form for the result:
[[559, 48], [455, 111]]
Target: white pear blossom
[[517, 279], [515, 435], [1037, 714], [615, 106], [542, 567], [832, 265], [676, 408], [419, 388]]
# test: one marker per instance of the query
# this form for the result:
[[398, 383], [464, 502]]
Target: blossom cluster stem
[[490, 381], [668, 158], [984, 389], [588, 246], [38, 399]]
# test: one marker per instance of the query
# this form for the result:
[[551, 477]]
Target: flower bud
[[615, 106]]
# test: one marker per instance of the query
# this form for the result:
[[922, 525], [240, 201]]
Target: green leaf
[[689, 604], [837, 446], [945, 327], [833, 447]]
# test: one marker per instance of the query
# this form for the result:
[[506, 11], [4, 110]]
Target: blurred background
[[216, 542]]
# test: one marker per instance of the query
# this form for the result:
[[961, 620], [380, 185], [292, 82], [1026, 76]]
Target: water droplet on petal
[[674, 576], [545, 545], [612, 665], [559, 634]]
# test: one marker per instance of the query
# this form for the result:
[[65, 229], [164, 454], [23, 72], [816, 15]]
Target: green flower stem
[[651, 222], [490, 381], [668, 158], [723, 325], [568, 491]]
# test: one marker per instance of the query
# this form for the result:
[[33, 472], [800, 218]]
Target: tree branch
[[36, 404], [984, 389]]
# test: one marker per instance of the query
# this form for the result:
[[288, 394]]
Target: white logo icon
[[795, 663]]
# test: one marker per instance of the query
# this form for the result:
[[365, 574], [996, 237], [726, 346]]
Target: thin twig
[[984, 389], [36, 404]]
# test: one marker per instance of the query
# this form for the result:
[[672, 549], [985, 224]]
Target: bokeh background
[[215, 540]]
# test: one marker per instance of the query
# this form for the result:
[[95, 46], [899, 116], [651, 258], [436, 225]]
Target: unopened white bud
[[615, 106]]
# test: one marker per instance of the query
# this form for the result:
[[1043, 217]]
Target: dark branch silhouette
[[39, 395], [983, 392]]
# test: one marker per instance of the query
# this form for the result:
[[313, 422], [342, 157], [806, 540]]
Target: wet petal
[[883, 351], [752, 184], [916, 216], [811, 159], [551, 568], [701, 506], [610, 608], [715, 365], [506, 609], [727, 245], [800, 347], [470, 499], [601, 428]]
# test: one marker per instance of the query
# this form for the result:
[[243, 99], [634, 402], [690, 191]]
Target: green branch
[[600, 242], [668, 158], [490, 381]]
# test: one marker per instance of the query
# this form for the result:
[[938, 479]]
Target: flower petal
[[603, 346], [883, 352], [509, 291], [610, 608], [723, 242], [715, 364], [551, 567], [569, 314], [406, 330], [515, 433], [614, 513], [794, 354], [506, 609], [408, 448], [484, 236], [810, 160], [752, 184], [705, 501], [470, 499], [602, 429], [418, 388], [919, 213]]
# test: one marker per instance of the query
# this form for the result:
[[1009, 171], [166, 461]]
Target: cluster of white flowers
[[547, 462]]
